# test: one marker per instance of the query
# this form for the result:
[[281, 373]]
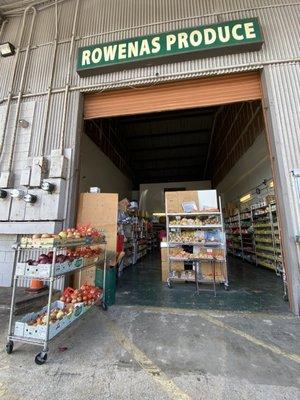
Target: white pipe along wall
[[57, 93]]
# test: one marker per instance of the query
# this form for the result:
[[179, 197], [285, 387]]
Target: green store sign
[[202, 41]]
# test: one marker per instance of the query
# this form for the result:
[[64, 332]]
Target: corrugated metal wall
[[282, 105], [106, 20], [116, 19], [236, 128]]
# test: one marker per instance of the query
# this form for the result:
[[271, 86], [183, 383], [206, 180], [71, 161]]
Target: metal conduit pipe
[[11, 153], [211, 140], [2, 27], [135, 82], [12, 78], [10, 95], [48, 100], [65, 109]]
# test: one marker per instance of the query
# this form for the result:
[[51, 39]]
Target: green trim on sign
[[202, 41]]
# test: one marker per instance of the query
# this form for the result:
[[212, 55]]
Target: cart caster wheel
[[40, 358], [170, 285], [104, 306], [9, 347], [226, 287]]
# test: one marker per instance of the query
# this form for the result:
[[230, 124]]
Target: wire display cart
[[208, 244], [19, 330]]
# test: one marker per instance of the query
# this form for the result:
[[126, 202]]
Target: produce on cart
[[87, 294], [51, 258], [196, 237]]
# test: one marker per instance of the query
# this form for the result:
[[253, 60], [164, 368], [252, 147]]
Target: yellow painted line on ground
[[145, 363], [217, 313], [3, 390], [213, 320], [275, 349]]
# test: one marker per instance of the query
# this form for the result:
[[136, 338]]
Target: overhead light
[[23, 123], [7, 49], [30, 198], [159, 214], [48, 187], [17, 194], [271, 184], [245, 198], [3, 194]]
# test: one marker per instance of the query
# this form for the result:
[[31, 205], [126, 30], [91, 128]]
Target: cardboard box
[[164, 271], [204, 200], [44, 270], [206, 272], [175, 266]]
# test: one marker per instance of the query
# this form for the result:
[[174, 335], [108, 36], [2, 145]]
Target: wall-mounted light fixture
[[245, 198], [17, 194], [48, 187], [23, 123], [30, 198], [7, 49], [3, 194]]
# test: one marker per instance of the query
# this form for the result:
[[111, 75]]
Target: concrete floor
[[165, 350], [251, 289]]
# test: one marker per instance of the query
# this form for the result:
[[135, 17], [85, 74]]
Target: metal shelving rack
[[234, 235], [248, 245], [54, 274], [266, 237], [197, 261]]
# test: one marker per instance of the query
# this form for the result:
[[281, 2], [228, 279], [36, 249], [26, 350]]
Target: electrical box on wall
[[33, 210], [58, 166], [5, 180], [17, 212], [25, 177], [5, 204], [38, 170], [52, 203]]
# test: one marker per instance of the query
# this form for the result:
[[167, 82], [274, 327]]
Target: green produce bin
[[110, 284]]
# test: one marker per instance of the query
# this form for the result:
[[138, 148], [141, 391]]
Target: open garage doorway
[[194, 135]]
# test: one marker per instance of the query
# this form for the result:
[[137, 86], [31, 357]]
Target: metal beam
[[182, 157], [158, 135], [175, 178], [173, 167], [170, 147], [168, 116]]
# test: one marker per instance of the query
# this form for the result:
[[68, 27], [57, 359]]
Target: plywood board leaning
[[100, 210]]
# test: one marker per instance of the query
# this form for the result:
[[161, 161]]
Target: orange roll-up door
[[202, 92]]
